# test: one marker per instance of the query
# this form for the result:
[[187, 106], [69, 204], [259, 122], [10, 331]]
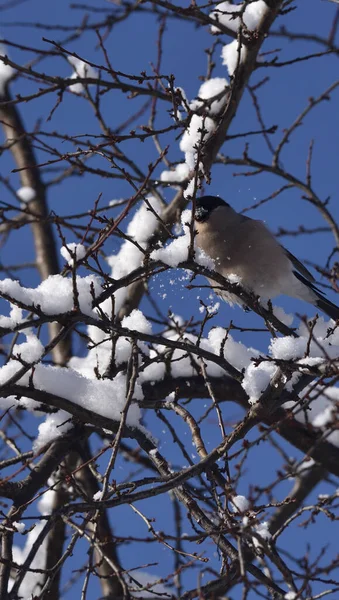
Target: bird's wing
[[299, 266], [304, 275]]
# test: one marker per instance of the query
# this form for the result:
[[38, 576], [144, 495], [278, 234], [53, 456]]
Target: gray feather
[[299, 266]]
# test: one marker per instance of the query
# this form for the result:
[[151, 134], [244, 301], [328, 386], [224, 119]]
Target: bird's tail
[[317, 298], [327, 307]]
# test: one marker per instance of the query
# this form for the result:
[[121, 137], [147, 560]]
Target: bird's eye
[[201, 214]]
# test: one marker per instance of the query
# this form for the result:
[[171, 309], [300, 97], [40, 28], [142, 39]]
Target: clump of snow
[[178, 174], [173, 253], [6, 71], [129, 257], [224, 13], [233, 54], [212, 97], [155, 371], [55, 294], [184, 100], [177, 250], [15, 317], [26, 194], [322, 345], [47, 500], [212, 309], [54, 426], [136, 321], [240, 504], [31, 350], [20, 527], [197, 133], [323, 496], [262, 531], [98, 357], [235, 352], [257, 378], [97, 496], [70, 250], [81, 69], [28, 352], [212, 88], [290, 596], [104, 397], [190, 189]]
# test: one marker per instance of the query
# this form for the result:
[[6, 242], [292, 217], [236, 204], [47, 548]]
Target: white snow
[[177, 250], [190, 189], [178, 174], [174, 253], [136, 321], [20, 527], [321, 346], [55, 294], [26, 194], [257, 378], [97, 357], [208, 90], [235, 352], [155, 371], [129, 257], [70, 250], [103, 396], [97, 496], [81, 69], [240, 504], [15, 317], [263, 531], [211, 309], [230, 55], [6, 71], [54, 426], [251, 17], [290, 596], [197, 133], [199, 130]]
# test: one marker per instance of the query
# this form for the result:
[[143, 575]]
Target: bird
[[245, 248]]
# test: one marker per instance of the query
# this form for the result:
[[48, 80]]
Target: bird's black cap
[[205, 205]]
